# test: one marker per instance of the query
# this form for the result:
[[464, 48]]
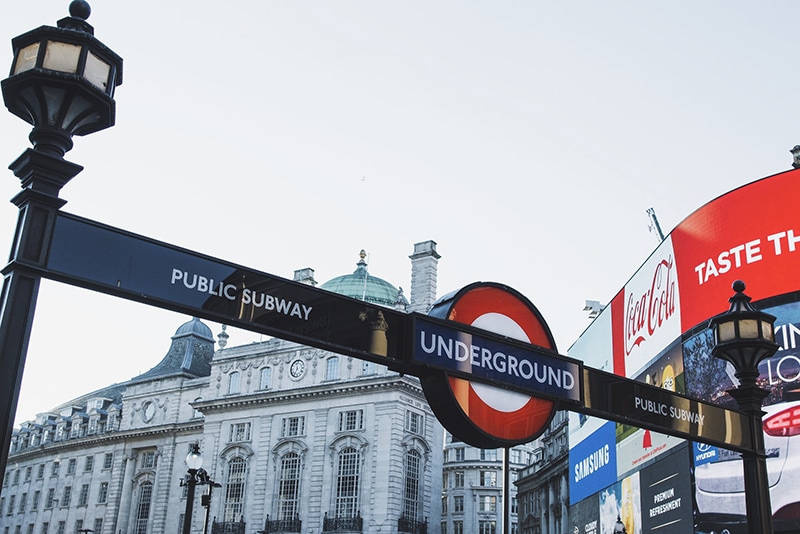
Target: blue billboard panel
[[593, 463]]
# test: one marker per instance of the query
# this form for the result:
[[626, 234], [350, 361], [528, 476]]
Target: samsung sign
[[593, 463]]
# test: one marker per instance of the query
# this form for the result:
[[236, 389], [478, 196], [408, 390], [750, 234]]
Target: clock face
[[297, 368], [148, 411]]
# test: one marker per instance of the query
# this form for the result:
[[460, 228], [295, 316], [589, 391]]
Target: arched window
[[289, 490], [332, 368], [411, 494], [348, 481], [233, 382], [143, 508], [235, 489], [266, 374]]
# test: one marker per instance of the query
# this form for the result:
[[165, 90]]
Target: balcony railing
[[342, 524], [273, 526], [228, 527], [412, 526]]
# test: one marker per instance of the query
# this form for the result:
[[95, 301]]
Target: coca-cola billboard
[[751, 233], [655, 329]]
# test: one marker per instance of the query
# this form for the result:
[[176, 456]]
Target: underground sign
[[483, 415]]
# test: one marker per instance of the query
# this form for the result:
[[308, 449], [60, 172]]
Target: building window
[[486, 527], [445, 480], [413, 422], [458, 527], [98, 525], [71, 466], [83, 498], [458, 503], [148, 460], [289, 490], [514, 505], [293, 426], [16, 476], [102, 494], [411, 495], [488, 478], [351, 420], [28, 473], [240, 432], [45, 528], [459, 454], [78, 525], [11, 501], [489, 455], [234, 380], [445, 500], [66, 496], [348, 477], [108, 460], [332, 368], [89, 465], [50, 499], [487, 503], [234, 490], [516, 456], [266, 374], [40, 472], [23, 501], [62, 527], [37, 496], [143, 508], [56, 467], [458, 479]]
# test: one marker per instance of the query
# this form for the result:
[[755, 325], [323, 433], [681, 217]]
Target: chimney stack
[[424, 265]]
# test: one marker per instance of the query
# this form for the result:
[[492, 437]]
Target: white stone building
[[299, 439], [472, 487]]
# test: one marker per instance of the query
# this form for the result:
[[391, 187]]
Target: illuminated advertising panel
[[593, 463], [655, 330]]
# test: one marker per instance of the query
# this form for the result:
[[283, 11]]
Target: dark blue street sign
[[470, 353]]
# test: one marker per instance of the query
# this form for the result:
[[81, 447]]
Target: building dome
[[194, 327], [363, 286]]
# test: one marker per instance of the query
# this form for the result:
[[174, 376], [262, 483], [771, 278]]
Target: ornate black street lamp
[[744, 337], [62, 82], [194, 461]]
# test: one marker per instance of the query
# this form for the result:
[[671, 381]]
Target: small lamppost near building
[[744, 336], [194, 461], [62, 83]]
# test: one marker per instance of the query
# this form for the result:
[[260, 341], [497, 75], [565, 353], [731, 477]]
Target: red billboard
[[751, 234]]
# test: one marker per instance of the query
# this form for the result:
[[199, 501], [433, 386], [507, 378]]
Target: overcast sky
[[527, 139]]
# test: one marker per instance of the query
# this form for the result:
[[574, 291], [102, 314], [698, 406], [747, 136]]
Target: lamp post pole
[[744, 336], [62, 82]]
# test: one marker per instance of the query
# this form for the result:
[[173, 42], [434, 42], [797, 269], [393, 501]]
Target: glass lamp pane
[[767, 332], [726, 331], [62, 57], [26, 58], [748, 328], [96, 72], [194, 460]]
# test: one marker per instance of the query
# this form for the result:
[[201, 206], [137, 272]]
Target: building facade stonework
[[297, 439]]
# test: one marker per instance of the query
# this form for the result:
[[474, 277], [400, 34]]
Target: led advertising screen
[[655, 330]]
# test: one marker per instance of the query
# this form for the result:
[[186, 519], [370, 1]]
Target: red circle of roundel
[[481, 415]]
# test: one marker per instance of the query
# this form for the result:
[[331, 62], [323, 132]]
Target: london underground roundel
[[482, 415]]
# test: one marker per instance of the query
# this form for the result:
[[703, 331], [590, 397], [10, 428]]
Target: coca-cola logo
[[646, 313]]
